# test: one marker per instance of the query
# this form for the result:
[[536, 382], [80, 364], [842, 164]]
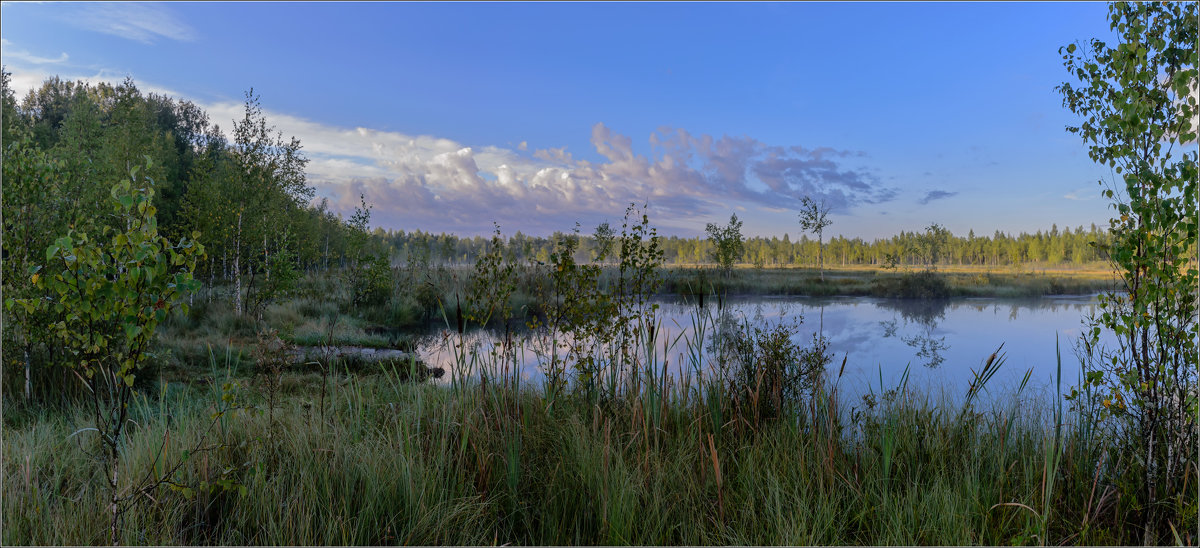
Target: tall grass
[[651, 458]]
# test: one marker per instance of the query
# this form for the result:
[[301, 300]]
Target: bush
[[920, 285], [371, 282], [765, 371]]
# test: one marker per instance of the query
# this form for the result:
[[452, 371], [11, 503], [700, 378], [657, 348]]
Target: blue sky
[[451, 116]]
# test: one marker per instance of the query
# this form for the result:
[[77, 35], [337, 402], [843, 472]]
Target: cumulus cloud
[[439, 184], [432, 183], [935, 195]]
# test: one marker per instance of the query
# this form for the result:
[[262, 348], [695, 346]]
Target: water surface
[[937, 342]]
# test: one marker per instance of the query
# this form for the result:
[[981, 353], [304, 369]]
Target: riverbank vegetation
[[159, 278], [365, 458]]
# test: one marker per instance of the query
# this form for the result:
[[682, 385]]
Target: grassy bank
[[759, 449], [316, 313], [388, 462], [367, 457], [866, 281]]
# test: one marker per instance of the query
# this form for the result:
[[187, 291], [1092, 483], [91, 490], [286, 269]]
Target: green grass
[[357, 458], [317, 313], [358, 453], [420, 464]]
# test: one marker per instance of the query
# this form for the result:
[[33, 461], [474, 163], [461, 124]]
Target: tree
[[604, 237], [727, 243], [1138, 104], [267, 182], [369, 272], [934, 242], [32, 181], [814, 218], [10, 119], [110, 293]]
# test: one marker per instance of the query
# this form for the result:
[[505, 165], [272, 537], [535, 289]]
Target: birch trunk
[[28, 384], [113, 499], [237, 270]]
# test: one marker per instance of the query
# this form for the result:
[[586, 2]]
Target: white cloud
[[138, 21], [1083, 194], [19, 55], [422, 181], [24, 79], [438, 184]]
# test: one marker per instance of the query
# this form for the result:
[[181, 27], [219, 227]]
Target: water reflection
[[925, 315], [879, 338]]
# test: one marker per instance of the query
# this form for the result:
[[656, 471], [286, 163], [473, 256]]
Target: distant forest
[[66, 143], [926, 247]]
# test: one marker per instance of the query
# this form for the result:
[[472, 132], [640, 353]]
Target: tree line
[[931, 246], [65, 143], [108, 181]]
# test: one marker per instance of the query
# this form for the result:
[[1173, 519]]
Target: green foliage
[[283, 278], [369, 274], [891, 261], [110, 293], [726, 242], [9, 118], [933, 243], [768, 375], [599, 319], [31, 218], [925, 284], [246, 195], [1138, 102], [491, 284], [814, 218], [638, 279], [578, 309], [108, 296], [604, 238], [1066, 247]]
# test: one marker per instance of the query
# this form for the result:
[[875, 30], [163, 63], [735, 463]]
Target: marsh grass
[[487, 459], [609, 450], [862, 281], [316, 314]]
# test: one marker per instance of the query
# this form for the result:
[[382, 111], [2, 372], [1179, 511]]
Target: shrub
[[925, 284], [110, 294], [765, 371]]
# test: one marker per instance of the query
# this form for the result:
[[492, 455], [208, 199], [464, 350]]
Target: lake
[[939, 342]]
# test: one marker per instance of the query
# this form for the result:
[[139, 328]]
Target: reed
[[654, 458]]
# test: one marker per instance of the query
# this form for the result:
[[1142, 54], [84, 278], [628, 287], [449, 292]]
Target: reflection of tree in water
[[926, 314], [928, 348], [1042, 305]]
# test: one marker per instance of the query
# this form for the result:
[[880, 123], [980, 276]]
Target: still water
[[938, 342]]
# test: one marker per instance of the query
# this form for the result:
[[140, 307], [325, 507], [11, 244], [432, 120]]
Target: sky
[[537, 116]]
